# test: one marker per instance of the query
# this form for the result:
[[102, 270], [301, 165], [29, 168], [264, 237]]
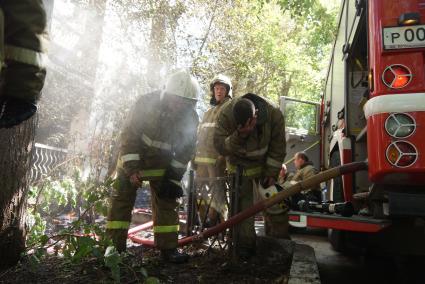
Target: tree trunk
[[89, 45], [15, 162], [156, 45]]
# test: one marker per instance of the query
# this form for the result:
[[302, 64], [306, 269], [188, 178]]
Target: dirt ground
[[270, 265]]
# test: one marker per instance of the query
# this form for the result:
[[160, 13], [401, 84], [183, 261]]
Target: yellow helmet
[[182, 84]]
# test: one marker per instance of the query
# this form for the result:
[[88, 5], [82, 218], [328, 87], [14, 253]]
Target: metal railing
[[45, 159]]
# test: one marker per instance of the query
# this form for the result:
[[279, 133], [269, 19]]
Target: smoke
[[102, 56]]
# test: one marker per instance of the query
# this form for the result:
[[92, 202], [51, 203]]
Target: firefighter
[[250, 132], [209, 164], [284, 176], [23, 30], [305, 170], [157, 142]]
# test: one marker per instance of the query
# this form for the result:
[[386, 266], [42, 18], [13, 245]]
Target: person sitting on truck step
[[284, 176], [305, 170]]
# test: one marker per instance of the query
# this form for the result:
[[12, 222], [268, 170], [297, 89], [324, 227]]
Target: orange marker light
[[401, 77], [396, 76], [393, 154]]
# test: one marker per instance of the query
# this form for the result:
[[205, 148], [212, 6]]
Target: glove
[[170, 189], [14, 111]]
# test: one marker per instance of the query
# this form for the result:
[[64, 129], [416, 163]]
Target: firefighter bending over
[[157, 142], [23, 29], [250, 132], [209, 164]]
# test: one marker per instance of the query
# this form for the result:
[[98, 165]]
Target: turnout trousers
[[211, 195], [164, 215], [276, 225]]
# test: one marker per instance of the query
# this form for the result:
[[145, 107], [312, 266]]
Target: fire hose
[[263, 204]]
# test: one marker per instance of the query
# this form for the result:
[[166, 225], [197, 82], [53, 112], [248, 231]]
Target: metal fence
[[45, 159]]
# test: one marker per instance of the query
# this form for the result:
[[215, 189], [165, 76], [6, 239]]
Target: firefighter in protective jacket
[[157, 142], [305, 170], [250, 132], [209, 164], [23, 39]]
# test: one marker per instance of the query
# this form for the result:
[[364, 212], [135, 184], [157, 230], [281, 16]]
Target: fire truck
[[372, 108]]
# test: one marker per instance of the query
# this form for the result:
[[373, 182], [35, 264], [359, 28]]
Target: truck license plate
[[404, 37]]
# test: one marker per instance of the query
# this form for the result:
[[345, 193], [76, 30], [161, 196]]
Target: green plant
[[82, 239]]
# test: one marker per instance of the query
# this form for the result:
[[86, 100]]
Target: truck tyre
[[337, 240], [336, 237]]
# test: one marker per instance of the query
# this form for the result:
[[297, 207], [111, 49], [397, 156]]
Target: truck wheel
[[336, 237], [337, 240]]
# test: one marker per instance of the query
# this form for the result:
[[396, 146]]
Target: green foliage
[[37, 225], [270, 47], [83, 239], [152, 280], [298, 8], [301, 116], [112, 260], [50, 199], [62, 192], [273, 48]]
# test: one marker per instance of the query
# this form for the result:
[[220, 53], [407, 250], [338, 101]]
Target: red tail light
[[396, 76], [402, 154]]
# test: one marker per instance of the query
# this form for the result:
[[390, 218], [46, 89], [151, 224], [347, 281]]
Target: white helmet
[[222, 79], [183, 85], [266, 193]]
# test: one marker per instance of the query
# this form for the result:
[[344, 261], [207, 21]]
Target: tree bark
[[16, 146], [156, 45]]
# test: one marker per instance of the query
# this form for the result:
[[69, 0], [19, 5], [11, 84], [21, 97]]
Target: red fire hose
[[139, 228], [261, 205]]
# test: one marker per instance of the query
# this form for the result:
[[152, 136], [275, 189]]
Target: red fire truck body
[[373, 108], [408, 97]]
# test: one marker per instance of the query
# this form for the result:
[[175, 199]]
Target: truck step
[[356, 223]]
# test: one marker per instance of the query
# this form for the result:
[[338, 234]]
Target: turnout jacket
[[155, 139], [262, 152], [206, 154], [306, 171]]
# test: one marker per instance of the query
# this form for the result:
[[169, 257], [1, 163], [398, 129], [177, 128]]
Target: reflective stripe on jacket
[[205, 151], [264, 148], [154, 139]]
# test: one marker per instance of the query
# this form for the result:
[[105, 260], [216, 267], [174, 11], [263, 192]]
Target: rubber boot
[[119, 238], [277, 225], [245, 254], [174, 256], [21, 89]]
